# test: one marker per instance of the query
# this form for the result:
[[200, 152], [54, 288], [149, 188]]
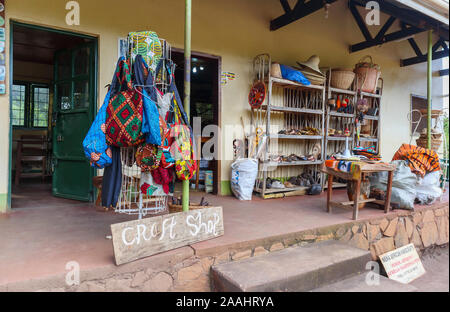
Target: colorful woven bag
[[94, 144], [148, 157], [182, 149], [167, 161], [124, 110]]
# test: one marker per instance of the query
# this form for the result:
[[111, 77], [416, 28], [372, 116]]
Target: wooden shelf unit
[[336, 144], [374, 122], [300, 106]]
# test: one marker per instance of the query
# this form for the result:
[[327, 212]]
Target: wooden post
[[356, 198], [387, 203], [429, 86], [329, 192]]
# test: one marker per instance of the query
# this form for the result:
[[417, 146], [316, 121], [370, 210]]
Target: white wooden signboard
[[403, 264], [137, 239]]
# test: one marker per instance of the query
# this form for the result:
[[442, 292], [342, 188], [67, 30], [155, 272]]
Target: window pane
[[41, 100], [18, 105], [63, 91], [64, 69], [82, 61], [81, 94]]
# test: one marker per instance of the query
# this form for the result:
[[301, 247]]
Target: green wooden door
[[73, 112]]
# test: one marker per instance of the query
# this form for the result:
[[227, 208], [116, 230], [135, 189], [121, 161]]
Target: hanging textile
[[420, 160], [112, 180], [124, 110], [158, 182], [94, 144], [150, 116], [146, 44], [182, 148]]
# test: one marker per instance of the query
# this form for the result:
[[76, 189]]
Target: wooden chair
[[31, 149]]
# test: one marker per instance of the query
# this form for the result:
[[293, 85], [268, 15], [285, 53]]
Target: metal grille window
[[30, 105], [40, 106], [18, 105]]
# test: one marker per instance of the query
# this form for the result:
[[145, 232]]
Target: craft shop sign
[[137, 239], [403, 264]]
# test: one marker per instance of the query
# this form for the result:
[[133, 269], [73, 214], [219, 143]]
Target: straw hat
[[313, 64]]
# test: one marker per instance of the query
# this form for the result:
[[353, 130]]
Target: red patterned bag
[[124, 110]]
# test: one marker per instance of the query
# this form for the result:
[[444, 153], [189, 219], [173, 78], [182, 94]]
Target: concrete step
[[291, 269], [358, 284]]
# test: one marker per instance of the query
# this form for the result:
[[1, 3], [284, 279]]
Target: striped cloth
[[420, 160], [346, 166]]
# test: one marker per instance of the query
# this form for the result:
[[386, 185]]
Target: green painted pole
[[429, 86], [187, 85]]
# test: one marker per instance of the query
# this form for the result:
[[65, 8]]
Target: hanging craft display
[[257, 95]]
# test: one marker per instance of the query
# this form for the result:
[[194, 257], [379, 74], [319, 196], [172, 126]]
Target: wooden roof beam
[[300, 10]]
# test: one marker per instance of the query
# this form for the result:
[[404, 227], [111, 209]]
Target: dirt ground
[[436, 264]]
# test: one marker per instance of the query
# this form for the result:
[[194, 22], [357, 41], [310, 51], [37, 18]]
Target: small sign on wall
[[2, 48], [137, 239], [403, 264]]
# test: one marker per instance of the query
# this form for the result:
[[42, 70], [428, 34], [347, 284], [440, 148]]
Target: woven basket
[[435, 143], [276, 70], [179, 208], [342, 78], [368, 74]]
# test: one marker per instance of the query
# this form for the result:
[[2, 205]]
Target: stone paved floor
[[436, 264], [43, 232]]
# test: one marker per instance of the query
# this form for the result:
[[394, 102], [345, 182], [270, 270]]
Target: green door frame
[[11, 80]]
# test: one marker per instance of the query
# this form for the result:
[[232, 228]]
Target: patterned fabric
[[151, 188], [420, 160], [351, 167], [94, 144], [167, 160], [124, 111], [368, 152], [147, 44], [182, 152], [148, 157], [164, 177], [150, 117]]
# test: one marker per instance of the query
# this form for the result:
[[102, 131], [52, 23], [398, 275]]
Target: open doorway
[[53, 96], [205, 103]]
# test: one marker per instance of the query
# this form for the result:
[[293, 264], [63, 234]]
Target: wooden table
[[364, 169]]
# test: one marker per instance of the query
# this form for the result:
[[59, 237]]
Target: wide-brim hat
[[313, 64]]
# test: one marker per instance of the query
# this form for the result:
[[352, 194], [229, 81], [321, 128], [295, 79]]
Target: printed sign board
[[137, 239], [403, 264]]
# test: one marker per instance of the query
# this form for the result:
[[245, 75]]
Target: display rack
[[370, 130], [288, 106], [339, 121], [131, 200]]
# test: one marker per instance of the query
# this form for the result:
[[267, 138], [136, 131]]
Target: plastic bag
[[403, 185], [429, 188], [243, 177], [293, 75]]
